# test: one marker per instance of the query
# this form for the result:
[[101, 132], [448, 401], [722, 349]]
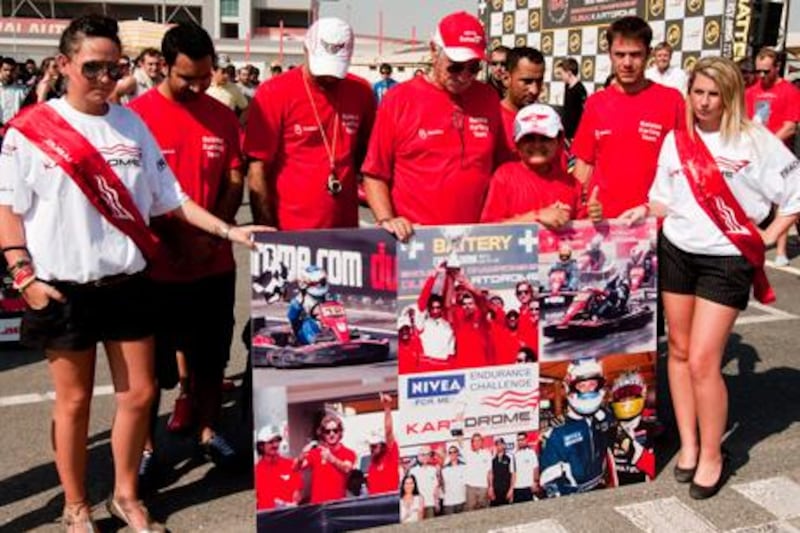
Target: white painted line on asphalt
[[769, 527], [666, 515], [542, 526], [789, 269], [771, 314], [778, 495], [769, 309], [27, 399]]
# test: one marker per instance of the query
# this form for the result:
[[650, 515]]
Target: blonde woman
[[715, 183]]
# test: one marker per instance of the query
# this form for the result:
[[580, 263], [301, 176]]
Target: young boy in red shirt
[[536, 188]]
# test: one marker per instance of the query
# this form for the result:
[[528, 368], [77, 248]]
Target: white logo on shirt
[[111, 199], [650, 131], [732, 226], [213, 146], [424, 134], [601, 133]]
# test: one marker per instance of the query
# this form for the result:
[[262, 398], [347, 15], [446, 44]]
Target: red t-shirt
[[384, 475], [515, 189], [437, 151], [200, 142], [508, 116], [774, 106], [276, 481], [328, 483], [283, 131], [506, 344], [621, 135], [473, 343], [528, 329]]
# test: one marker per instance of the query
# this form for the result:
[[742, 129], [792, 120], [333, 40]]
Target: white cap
[[537, 118], [268, 433], [375, 437], [329, 43], [224, 61]]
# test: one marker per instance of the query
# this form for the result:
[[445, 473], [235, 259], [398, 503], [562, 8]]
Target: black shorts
[[118, 308], [196, 318], [724, 279]]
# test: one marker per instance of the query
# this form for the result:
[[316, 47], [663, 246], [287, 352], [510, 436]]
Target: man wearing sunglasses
[[329, 461], [498, 71], [775, 103], [437, 138]]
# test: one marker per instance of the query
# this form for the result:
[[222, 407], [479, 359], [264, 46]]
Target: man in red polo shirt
[[329, 461], [383, 474], [775, 103], [437, 138], [307, 133], [277, 483], [525, 68], [195, 285], [622, 128]]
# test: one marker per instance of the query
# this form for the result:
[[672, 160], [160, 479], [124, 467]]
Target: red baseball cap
[[461, 36]]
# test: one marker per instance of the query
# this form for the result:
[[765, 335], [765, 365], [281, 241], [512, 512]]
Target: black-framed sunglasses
[[92, 70], [473, 67], [331, 431], [498, 63], [762, 72]]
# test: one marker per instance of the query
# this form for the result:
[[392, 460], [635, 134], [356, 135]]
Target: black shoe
[[147, 471], [699, 492], [219, 451], [684, 475]]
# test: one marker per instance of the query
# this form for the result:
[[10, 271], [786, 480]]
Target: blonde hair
[[730, 83]]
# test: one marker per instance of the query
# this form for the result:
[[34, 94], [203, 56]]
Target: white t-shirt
[[68, 238], [673, 77], [436, 335], [478, 465], [410, 512], [525, 462], [455, 484], [427, 481], [758, 169]]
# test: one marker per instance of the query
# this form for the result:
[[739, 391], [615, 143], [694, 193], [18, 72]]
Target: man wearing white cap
[[437, 138], [383, 474], [537, 188], [307, 134], [277, 483]]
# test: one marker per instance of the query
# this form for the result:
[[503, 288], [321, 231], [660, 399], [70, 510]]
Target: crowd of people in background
[[432, 152]]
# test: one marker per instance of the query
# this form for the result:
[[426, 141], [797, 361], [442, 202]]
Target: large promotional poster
[[324, 353]]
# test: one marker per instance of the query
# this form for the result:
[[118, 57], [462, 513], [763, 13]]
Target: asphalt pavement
[[762, 370]]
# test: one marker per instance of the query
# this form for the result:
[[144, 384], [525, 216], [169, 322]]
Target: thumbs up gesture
[[593, 206]]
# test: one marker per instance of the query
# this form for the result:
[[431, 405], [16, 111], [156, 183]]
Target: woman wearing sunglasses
[[79, 181]]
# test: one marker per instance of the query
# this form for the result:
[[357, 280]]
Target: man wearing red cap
[[307, 134], [437, 138]]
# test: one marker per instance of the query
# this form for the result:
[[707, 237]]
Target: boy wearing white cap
[[307, 134], [537, 188]]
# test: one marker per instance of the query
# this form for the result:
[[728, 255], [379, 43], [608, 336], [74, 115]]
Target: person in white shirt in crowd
[[74, 228], [526, 484], [224, 89], [427, 476], [412, 504], [478, 461], [12, 94], [145, 76], [435, 332], [454, 483], [663, 72]]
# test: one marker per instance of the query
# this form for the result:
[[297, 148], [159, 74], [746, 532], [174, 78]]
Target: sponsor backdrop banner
[[577, 29]]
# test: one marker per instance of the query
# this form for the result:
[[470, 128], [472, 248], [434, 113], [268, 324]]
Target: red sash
[[81, 161], [716, 199]]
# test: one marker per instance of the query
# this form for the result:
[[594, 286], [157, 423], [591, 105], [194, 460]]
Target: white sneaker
[[781, 261]]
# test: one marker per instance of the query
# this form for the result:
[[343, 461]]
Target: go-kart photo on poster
[[323, 302], [598, 289], [598, 422], [466, 297], [325, 463], [468, 439]]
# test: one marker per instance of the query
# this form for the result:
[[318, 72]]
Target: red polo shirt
[[774, 106], [200, 142], [515, 189], [384, 475], [436, 150], [621, 135], [276, 481], [328, 483], [283, 131]]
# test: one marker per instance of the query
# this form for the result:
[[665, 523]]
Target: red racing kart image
[[338, 344], [584, 320]]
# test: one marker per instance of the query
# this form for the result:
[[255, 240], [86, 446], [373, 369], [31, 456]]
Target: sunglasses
[[453, 452], [473, 67], [523, 291], [92, 70], [762, 72], [498, 63], [331, 431]]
